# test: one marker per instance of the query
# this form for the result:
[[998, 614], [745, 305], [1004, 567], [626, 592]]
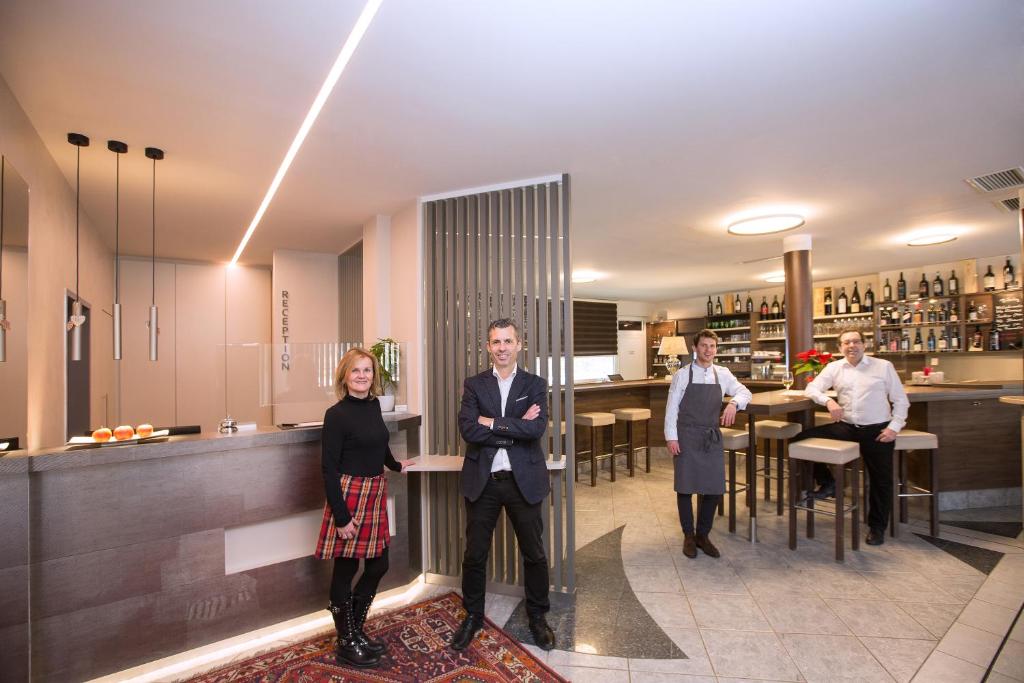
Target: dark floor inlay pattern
[[1007, 529], [982, 559], [605, 614]]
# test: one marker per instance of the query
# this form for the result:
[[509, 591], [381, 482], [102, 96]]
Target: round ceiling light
[[928, 240], [764, 225], [775, 277], [583, 276]]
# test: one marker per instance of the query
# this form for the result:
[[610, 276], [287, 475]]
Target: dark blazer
[[521, 438]]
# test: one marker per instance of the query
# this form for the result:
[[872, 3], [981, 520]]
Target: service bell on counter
[[228, 425]]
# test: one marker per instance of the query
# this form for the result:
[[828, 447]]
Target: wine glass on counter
[[787, 379]]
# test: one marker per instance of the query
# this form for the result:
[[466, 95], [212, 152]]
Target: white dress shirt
[[863, 391], [500, 461], [730, 386]]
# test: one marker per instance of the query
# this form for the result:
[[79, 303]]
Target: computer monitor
[[616, 377]]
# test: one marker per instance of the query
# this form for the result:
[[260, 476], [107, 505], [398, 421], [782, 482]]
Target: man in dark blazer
[[503, 417]]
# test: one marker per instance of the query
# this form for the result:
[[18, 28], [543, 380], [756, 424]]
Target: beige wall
[[406, 298], [51, 270], [14, 373], [379, 272]]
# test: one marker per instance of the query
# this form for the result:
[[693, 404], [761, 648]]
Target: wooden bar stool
[[913, 440], [779, 432], [825, 419], [732, 440], [822, 419], [836, 454], [593, 421], [632, 416]]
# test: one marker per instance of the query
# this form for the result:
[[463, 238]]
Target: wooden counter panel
[[979, 444]]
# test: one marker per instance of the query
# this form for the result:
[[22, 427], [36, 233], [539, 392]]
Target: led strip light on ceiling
[[347, 50]]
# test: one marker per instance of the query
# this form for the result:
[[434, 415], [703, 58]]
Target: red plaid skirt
[[367, 500]]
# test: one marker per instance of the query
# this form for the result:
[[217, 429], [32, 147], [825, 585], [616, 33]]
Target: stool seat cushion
[[776, 429], [632, 414], [734, 439], [551, 426], [829, 451], [595, 419], [913, 440], [822, 419]]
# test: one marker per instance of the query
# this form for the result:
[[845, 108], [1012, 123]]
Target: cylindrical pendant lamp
[[4, 324], [118, 148], [154, 154], [77, 319]]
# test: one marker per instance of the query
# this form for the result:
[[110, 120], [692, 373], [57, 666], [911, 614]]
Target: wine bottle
[[922, 287], [954, 284], [894, 315], [937, 288], [737, 305], [901, 288], [750, 304], [1007, 281], [933, 316], [842, 307], [954, 340], [894, 342], [954, 312], [908, 315], [711, 308], [869, 300], [918, 342], [855, 299], [918, 314], [775, 307], [977, 338], [990, 280], [905, 341], [943, 342], [972, 311], [718, 305], [887, 291], [783, 305], [932, 342], [764, 307], [828, 301], [943, 314], [993, 339]]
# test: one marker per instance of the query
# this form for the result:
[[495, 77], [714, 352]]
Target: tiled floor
[[907, 610]]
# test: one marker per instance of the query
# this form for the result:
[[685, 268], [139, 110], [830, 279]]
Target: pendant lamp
[[154, 154], [77, 318], [118, 148], [4, 323]]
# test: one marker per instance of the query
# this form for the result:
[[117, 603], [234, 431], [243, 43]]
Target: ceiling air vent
[[1012, 204], [1000, 180]]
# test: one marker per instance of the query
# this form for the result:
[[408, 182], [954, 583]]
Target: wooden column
[[796, 256]]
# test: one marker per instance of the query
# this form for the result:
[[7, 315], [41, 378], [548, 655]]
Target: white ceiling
[[670, 116]]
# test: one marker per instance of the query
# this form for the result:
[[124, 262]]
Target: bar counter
[[137, 552]]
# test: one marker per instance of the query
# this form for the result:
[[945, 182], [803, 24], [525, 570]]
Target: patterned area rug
[[417, 638]]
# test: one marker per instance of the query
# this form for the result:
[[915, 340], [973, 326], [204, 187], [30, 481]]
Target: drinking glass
[[787, 379]]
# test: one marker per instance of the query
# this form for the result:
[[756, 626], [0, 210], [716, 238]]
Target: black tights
[[705, 512], [345, 569]]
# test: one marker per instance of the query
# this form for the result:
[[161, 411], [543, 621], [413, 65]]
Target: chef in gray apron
[[692, 419]]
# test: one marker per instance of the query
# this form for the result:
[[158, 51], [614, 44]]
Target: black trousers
[[705, 513], [877, 461], [481, 518], [345, 568]]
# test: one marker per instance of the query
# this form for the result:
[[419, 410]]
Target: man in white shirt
[[865, 387], [692, 418]]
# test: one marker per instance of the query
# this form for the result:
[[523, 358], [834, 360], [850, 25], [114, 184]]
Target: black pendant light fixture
[[154, 154], [118, 148], [77, 318], [4, 323]]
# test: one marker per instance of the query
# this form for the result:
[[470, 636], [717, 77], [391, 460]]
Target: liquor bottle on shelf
[[737, 305], [842, 303], [977, 339], [905, 341], [937, 286], [918, 314], [990, 280], [1007, 278], [711, 308], [750, 304], [933, 316], [855, 299], [954, 339], [993, 339], [918, 342], [894, 342], [954, 312], [972, 311], [718, 305], [954, 284], [828, 301], [943, 314], [943, 342], [869, 300], [894, 315], [907, 318], [901, 288], [776, 310], [922, 287], [932, 342], [764, 307], [783, 305], [887, 291]]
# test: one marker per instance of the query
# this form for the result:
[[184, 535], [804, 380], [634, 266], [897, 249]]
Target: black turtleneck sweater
[[355, 442]]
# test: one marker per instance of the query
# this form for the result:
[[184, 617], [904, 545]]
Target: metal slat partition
[[502, 253]]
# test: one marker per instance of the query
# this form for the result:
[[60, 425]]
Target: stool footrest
[[826, 511]]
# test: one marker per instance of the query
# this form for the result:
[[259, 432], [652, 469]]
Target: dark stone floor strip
[[982, 559]]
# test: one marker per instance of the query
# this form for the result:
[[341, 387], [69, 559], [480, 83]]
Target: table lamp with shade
[[673, 347]]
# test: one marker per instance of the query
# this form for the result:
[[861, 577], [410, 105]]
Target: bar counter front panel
[[128, 544]]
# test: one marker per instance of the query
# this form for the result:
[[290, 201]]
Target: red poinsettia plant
[[810, 362]]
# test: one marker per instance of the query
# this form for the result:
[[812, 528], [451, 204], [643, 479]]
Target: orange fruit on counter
[[123, 433], [102, 434], [144, 430]]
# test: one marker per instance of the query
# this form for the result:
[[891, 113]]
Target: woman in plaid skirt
[[355, 524]]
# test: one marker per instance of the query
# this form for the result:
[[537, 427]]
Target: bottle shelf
[[727, 330], [763, 339], [734, 343], [770, 320], [896, 327], [866, 333], [862, 314]]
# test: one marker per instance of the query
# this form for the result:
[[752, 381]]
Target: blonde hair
[[345, 366]]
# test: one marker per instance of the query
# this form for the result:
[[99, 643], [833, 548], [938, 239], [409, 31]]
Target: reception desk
[[142, 551]]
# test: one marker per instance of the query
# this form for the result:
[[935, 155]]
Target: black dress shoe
[[825, 491], [875, 537], [705, 544], [543, 636], [467, 631], [689, 546]]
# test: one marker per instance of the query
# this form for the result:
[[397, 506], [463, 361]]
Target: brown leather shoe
[[689, 546], [705, 544]]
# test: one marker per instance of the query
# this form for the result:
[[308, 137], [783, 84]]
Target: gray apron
[[700, 465]]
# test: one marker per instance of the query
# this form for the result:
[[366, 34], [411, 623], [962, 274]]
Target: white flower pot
[[387, 403]]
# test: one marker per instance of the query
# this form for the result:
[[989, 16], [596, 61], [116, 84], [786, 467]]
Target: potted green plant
[[388, 354]]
